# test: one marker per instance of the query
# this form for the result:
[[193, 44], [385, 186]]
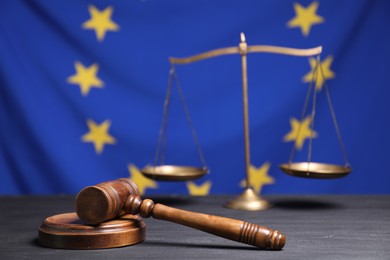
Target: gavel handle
[[236, 230]]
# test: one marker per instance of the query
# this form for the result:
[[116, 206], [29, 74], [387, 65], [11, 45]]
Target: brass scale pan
[[173, 172], [315, 170]]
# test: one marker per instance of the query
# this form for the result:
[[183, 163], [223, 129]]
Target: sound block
[[67, 231]]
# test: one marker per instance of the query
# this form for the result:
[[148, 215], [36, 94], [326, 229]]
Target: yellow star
[[305, 17], [201, 190], [258, 177], [326, 71], [98, 135], [299, 132], [100, 22], [142, 182], [85, 77]]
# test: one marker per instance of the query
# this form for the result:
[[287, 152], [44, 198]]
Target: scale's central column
[[248, 200], [243, 51]]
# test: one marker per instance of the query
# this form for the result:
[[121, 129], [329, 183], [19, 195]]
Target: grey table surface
[[316, 227]]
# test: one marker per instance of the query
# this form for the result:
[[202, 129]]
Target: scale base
[[248, 200]]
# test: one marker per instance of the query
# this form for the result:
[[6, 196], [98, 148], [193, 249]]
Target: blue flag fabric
[[82, 88]]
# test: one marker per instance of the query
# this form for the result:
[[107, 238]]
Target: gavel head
[[95, 204]]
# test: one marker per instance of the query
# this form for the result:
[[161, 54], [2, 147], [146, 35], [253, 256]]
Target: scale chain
[[312, 83], [335, 120], [313, 111], [162, 137], [318, 69], [188, 117]]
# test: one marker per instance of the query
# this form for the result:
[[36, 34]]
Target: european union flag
[[83, 83]]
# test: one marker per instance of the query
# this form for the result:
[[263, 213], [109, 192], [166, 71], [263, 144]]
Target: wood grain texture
[[233, 229], [110, 200]]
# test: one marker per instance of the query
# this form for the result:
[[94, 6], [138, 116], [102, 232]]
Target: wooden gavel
[[108, 200]]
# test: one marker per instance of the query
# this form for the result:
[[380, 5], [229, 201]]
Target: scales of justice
[[248, 200]]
